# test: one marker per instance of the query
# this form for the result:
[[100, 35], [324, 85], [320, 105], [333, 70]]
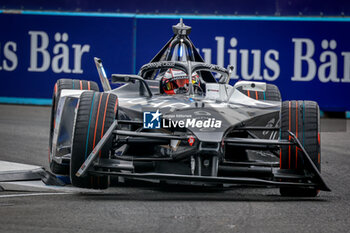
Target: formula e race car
[[180, 121]]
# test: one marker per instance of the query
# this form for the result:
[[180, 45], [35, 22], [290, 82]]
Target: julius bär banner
[[308, 58]]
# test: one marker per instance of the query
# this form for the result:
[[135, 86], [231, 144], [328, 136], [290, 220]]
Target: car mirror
[[130, 78]]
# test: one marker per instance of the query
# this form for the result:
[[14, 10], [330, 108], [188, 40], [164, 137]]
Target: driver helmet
[[176, 81]]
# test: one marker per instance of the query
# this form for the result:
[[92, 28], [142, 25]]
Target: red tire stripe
[[115, 106], [98, 112], [81, 85], [319, 158], [296, 133], [256, 94], [280, 158], [88, 85], [248, 92], [55, 88], [289, 149], [104, 117]]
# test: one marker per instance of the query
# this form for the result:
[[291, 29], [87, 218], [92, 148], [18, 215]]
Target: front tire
[[64, 84], [301, 118], [96, 113]]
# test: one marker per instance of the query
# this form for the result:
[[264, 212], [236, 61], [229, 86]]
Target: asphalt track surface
[[151, 208]]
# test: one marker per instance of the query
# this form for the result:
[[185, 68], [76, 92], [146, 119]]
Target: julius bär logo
[[151, 120]]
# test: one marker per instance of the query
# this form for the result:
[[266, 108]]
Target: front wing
[[250, 173]]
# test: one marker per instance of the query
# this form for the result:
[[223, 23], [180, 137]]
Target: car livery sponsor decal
[[153, 120], [191, 140]]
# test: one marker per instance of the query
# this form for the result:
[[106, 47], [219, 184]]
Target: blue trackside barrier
[[338, 8], [307, 57]]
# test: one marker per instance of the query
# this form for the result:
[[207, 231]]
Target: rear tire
[[61, 84], [302, 119], [272, 93], [96, 113]]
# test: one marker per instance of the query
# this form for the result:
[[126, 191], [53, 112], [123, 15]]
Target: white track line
[[12, 167], [32, 194]]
